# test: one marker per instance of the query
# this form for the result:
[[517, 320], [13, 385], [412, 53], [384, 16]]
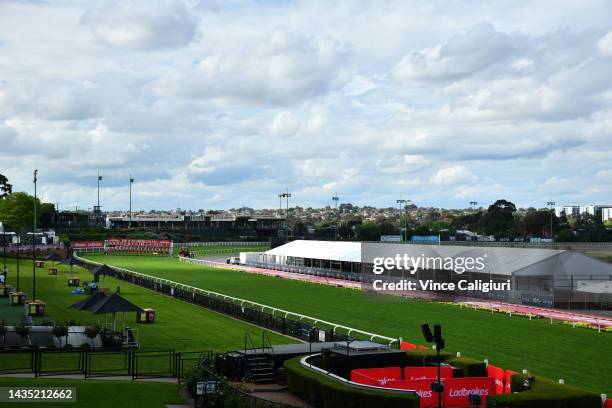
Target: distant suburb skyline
[[214, 105]]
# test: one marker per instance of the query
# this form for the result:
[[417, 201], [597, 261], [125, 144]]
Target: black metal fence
[[101, 363], [283, 324]]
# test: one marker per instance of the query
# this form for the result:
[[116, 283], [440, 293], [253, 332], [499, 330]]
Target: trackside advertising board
[[139, 243], [499, 375], [458, 390], [87, 244]]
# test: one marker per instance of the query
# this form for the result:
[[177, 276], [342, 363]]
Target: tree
[[499, 219], [5, 187], [17, 210], [60, 331], [368, 231]]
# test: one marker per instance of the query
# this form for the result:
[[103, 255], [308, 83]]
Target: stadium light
[[436, 338], [130, 222], [99, 179], [286, 195], [551, 204], [34, 241], [335, 198], [401, 201], [474, 204]]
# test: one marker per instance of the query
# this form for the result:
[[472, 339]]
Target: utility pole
[[130, 223], [474, 203], [34, 242], [336, 198], [551, 204]]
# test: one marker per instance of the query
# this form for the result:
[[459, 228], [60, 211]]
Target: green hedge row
[[468, 367], [544, 393], [425, 357], [323, 392]]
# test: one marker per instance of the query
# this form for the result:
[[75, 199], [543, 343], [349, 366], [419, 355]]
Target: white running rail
[[244, 302]]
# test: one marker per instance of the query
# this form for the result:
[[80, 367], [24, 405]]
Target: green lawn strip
[[179, 325], [103, 394], [581, 357]]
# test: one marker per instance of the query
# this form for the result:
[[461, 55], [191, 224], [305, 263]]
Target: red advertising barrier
[[608, 403], [499, 375], [153, 243], [380, 376], [458, 390], [422, 373], [423, 389], [407, 346], [87, 244], [509, 374], [423, 348]]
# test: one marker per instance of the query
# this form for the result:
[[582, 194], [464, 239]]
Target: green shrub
[[424, 357], [469, 367], [323, 392], [544, 393]]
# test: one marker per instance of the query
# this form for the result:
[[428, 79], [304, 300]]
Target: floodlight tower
[[336, 198], [402, 203], [286, 195], [131, 181], [551, 204], [34, 241], [474, 203]]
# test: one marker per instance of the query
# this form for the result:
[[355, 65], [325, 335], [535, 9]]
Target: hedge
[[544, 393], [425, 357], [324, 392], [469, 367]]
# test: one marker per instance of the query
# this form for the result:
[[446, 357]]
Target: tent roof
[[70, 261], [89, 301], [53, 257], [497, 260], [328, 250], [113, 304]]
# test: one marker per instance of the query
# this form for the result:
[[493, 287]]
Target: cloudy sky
[[219, 104]]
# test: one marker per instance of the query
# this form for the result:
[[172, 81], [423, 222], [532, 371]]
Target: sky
[[221, 104]]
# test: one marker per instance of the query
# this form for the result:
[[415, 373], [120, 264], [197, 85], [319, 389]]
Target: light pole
[[287, 195], [131, 181], [551, 204], [336, 198], [18, 250], [99, 179], [401, 202], [34, 241], [474, 204]]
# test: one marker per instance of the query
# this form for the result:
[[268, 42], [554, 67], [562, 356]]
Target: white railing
[[274, 310]]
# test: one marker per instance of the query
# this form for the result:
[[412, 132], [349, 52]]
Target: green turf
[[179, 325], [102, 394], [582, 357]]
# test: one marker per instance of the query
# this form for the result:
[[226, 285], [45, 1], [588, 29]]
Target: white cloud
[[452, 175], [285, 67], [605, 45], [140, 25]]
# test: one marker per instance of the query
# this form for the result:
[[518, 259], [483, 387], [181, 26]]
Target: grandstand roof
[[497, 260]]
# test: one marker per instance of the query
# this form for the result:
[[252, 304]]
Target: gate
[[108, 363], [17, 361], [185, 360], [153, 364], [58, 362]]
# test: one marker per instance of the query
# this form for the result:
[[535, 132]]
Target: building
[[576, 210], [606, 214], [259, 226], [542, 277]]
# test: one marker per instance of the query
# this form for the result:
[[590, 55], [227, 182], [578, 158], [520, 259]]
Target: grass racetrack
[[179, 325], [582, 357]]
